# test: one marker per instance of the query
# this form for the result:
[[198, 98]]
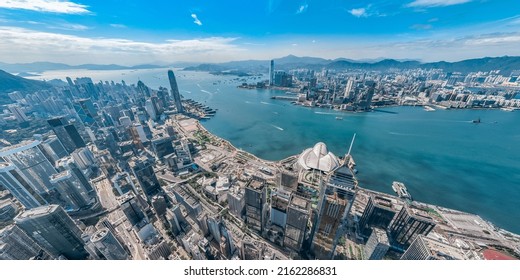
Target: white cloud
[[25, 45], [69, 26], [117, 25], [436, 3], [361, 12], [302, 8], [50, 6], [196, 20]]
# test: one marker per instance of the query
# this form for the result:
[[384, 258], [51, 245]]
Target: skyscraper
[[18, 113], [379, 212], [108, 245], [409, 223], [53, 149], [337, 194], [425, 248], [298, 214], [31, 162], [17, 185], [377, 245], [271, 73], [67, 133], [16, 245], [142, 169], [175, 92], [71, 189], [255, 198], [54, 231], [87, 113]]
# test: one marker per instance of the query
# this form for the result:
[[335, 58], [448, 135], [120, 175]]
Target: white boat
[[428, 108]]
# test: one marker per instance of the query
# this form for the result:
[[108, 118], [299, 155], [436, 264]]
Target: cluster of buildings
[[125, 172], [362, 90]]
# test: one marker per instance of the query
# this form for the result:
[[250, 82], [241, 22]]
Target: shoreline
[[278, 163]]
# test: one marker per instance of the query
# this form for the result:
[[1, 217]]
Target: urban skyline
[[103, 31], [310, 156]]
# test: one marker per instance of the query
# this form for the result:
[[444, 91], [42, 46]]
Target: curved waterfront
[[441, 156]]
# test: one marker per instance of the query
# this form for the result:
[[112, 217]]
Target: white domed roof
[[318, 157]]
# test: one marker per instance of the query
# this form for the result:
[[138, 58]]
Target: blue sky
[[133, 32]]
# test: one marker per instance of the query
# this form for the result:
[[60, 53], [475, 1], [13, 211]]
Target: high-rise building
[[66, 133], [298, 214], [16, 245], [377, 245], [12, 180], [142, 169], [255, 198], [279, 203], [288, 181], [175, 92], [54, 231], [271, 73], [32, 163], [409, 223], [337, 194], [425, 248], [87, 113], [379, 212], [83, 158], [8, 210], [68, 163], [162, 146], [108, 245], [133, 211], [71, 189], [18, 113], [236, 201], [150, 109], [348, 89], [282, 79], [53, 149]]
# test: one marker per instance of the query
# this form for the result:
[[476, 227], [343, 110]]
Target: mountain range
[[505, 64]]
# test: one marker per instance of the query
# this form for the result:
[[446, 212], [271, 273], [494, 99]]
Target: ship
[[476, 121], [401, 190], [428, 108], [339, 118]]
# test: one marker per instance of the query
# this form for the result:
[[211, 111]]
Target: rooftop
[[22, 146], [319, 158], [39, 211]]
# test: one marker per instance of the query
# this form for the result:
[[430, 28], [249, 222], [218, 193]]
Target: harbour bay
[[441, 156]]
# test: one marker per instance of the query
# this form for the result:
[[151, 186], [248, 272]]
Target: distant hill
[[9, 83], [505, 63], [49, 66]]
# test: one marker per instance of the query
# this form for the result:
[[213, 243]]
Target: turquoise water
[[441, 156]]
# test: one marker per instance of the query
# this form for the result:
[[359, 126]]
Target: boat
[[428, 108], [476, 121], [507, 109], [339, 118], [401, 190]]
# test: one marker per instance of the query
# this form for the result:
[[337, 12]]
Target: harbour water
[[442, 156]]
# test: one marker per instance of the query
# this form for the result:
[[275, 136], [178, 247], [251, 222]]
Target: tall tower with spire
[[175, 92]]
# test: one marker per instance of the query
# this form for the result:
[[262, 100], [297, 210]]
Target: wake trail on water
[[205, 91], [404, 134], [325, 113], [277, 127], [265, 103]]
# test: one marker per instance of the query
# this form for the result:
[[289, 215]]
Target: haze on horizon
[[112, 31]]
